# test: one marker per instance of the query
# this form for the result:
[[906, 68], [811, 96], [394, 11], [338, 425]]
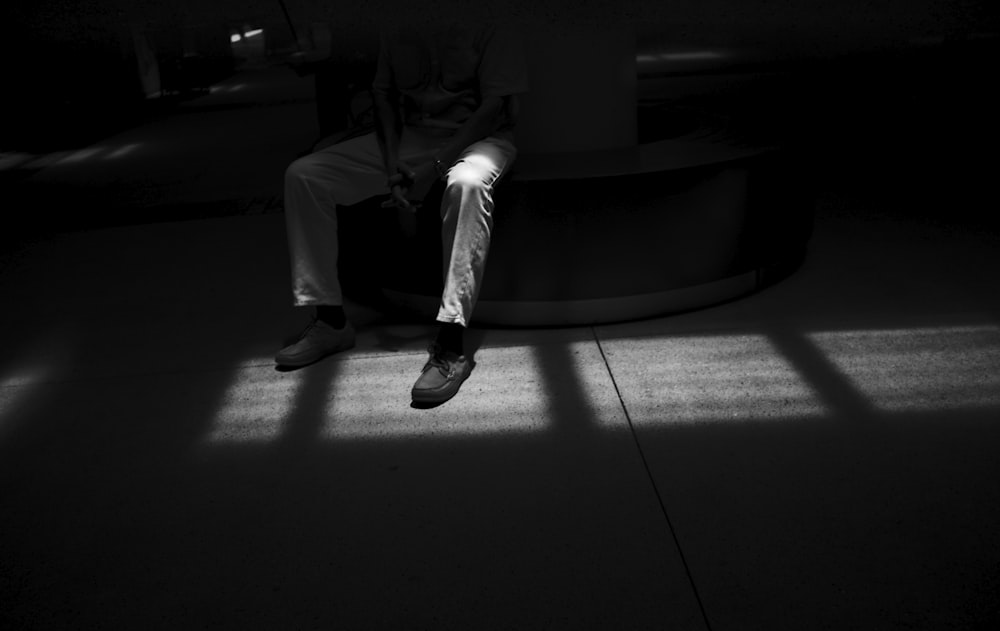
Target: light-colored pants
[[352, 171]]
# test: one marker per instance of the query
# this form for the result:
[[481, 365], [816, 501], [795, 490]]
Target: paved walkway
[[819, 455]]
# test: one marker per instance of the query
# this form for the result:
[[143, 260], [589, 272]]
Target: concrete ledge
[[626, 234]]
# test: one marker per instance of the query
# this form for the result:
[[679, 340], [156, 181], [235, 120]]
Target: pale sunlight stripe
[[122, 151], [719, 378], [370, 399], [81, 155], [256, 406], [47, 361], [919, 369]]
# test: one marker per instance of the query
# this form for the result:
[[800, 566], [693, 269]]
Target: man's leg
[[467, 225], [345, 173], [315, 185]]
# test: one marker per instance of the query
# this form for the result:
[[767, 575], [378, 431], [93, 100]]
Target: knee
[[464, 180], [298, 171], [308, 186], [313, 167]]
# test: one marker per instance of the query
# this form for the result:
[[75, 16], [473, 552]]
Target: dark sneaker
[[316, 342], [441, 377]]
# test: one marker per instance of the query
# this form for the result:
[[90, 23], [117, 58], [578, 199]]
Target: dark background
[[897, 92]]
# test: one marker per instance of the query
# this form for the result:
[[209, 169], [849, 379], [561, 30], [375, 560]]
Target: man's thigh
[[350, 171], [361, 154]]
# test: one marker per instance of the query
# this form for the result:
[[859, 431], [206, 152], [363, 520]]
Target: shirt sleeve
[[502, 68]]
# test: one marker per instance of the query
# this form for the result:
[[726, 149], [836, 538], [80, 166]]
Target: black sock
[[450, 337], [332, 315]]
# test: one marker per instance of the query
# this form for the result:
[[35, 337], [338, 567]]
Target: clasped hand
[[409, 185]]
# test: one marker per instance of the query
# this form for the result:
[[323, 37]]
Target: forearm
[[388, 130], [483, 122]]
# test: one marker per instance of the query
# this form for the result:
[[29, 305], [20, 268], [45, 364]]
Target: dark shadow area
[[902, 123], [569, 403], [886, 526]]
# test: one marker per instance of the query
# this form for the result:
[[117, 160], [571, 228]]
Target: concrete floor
[[820, 455]]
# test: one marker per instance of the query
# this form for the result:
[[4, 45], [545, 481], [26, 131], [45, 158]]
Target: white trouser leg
[[315, 184], [467, 224]]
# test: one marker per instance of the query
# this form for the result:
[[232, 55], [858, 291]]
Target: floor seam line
[[652, 481]]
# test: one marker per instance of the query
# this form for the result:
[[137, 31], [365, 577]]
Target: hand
[[397, 198], [406, 211], [419, 179], [410, 185]]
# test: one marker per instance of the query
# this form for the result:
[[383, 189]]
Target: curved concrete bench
[[596, 237]]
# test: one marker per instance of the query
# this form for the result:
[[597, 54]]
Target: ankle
[[332, 314], [451, 337]]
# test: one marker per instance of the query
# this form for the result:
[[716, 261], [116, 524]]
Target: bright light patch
[[47, 359], [15, 390], [81, 155], [219, 89], [123, 151], [26, 377], [698, 55], [45, 362], [694, 55], [370, 399], [256, 406], [253, 33], [235, 37], [919, 369], [673, 380]]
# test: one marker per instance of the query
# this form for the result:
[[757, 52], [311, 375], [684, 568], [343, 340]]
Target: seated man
[[445, 106]]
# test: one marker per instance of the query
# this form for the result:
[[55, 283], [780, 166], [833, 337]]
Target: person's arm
[[388, 129], [388, 118]]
